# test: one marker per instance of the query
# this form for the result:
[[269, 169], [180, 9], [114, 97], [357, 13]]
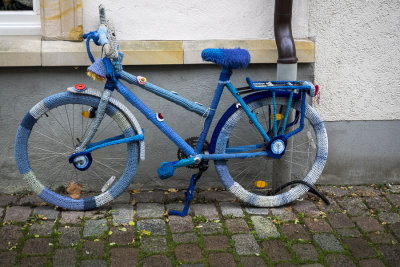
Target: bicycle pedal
[[107, 184], [166, 170]]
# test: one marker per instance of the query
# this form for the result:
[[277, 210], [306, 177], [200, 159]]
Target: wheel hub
[[81, 161], [277, 146]]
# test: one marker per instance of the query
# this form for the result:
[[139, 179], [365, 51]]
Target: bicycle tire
[[48, 184], [248, 193]]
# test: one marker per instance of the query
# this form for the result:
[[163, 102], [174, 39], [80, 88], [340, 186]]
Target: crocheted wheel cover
[[21, 154]]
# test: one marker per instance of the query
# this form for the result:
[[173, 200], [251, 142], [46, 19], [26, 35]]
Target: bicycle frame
[[237, 152]]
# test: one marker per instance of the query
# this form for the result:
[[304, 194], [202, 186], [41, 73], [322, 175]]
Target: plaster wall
[[357, 58], [193, 20]]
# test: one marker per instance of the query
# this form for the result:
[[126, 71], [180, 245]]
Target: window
[[19, 17]]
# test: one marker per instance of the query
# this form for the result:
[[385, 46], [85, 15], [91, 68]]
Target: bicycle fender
[[122, 107]]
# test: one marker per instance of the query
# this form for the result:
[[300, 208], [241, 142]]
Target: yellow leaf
[[36, 236], [131, 223], [109, 232], [122, 229], [112, 243], [134, 191], [133, 202], [96, 240], [172, 190], [145, 232]]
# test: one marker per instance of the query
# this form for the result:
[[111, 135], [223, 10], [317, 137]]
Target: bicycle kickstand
[[189, 193]]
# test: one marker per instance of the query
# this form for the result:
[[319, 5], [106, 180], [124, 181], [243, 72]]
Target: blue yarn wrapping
[[136, 102], [81, 204], [187, 104], [228, 58]]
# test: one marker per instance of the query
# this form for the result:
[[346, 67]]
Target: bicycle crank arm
[[167, 169]]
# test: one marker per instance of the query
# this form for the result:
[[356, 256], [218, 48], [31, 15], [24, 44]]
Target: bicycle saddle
[[236, 58]]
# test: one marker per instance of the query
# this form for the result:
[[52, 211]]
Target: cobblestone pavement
[[361, 227]]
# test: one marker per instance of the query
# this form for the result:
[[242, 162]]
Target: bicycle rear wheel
[[251, 179], [48, 136]]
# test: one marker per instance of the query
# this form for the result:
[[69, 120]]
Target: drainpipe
[[286, 70]]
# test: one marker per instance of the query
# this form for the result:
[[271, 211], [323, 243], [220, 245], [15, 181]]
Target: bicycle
[[64, 167]]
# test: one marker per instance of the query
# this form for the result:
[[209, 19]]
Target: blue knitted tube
[[187, 104]]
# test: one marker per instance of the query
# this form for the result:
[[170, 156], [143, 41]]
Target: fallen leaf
[[109, 232], [131, 223], [145, 232], [133, 202], [172, 190], [122, 229]]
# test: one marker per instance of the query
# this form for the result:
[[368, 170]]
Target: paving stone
[[378, 203], [48, 212], [264, 227], [188, 253], [154, 244], [231, 209], [72, 217], [37, 246], [150, 210], [221, 259], [94, 214], [328, 242], [217, 242], [354, 206], [156, 260], [6, 200], [340, 220], [95, 227], [307, 207], [333, 191], [317, 225], [245, 244], [149, 197], [256, 211], [18, 214], [192, 265], [276, 250], [368, 224], [210, 228], [371, 263], [180, 224], [69, 236], [93, 263], [155, 226], [365, 191], [175, 196], [237, 226], [349, 232], [184, 238], [395, 229], [7, 258], [127, 257], [252, 261], [381, 238], [312, 265], [124, 198], [220, 196], [9, 236], [93, 249], [43, 229], [122, 213], [394, 199], [295, 231], [389, 217], [122, 235], [394, 188], [31, 200], [333, 207], [306, 251], [64, 257], [286, 265], [284, 214], [390, 253], [339, 260], [359, 247], [208, 210], [37, 261]]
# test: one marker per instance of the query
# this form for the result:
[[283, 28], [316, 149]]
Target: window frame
[[24, 22]]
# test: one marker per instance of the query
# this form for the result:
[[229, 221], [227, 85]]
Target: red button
[[316, 89], [80, 86]]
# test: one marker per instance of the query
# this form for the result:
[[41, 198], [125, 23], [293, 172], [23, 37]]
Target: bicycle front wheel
[[48, 136], [252, 179]]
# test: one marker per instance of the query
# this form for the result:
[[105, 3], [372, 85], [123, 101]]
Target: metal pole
[[286, 70]]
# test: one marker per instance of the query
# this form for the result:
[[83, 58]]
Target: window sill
[[32, 51]]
